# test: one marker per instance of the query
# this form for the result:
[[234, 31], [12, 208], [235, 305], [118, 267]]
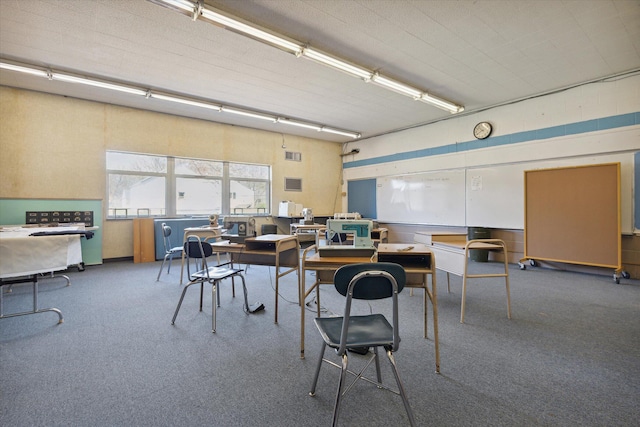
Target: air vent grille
[[292, 184], [293, 156]]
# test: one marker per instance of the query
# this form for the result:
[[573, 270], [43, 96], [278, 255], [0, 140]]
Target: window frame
[[170, 190]]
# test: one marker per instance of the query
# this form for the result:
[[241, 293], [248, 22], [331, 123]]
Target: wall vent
[[293, 155], [292, 184]]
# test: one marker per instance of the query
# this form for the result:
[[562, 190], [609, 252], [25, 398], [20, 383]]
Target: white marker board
[[425, 198]]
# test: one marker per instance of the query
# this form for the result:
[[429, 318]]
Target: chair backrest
[[370, 281], [194, 248], [166, 240], [371, 284]]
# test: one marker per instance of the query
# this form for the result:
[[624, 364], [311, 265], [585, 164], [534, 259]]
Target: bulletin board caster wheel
[[533, 263], [522, 266], [626, 275], [616, 278]]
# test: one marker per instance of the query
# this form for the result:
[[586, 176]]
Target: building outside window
[[149, 185]]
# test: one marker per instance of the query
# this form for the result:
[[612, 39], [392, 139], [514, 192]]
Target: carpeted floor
[[570, 356]]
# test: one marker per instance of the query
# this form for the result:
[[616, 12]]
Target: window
[[149, 185]]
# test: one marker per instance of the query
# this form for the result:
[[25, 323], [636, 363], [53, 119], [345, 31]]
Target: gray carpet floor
[[570, 356]]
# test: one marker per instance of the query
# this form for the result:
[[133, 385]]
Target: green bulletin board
[[13, 212]]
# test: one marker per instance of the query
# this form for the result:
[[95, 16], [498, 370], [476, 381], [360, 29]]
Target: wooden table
[[278, 250], [416, 259], [453, 257]]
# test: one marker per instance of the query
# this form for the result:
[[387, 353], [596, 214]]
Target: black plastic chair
[[169, 251], [366, 281], [196, 249]]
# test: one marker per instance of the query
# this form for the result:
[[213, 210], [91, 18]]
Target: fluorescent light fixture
[[249, 114], [353, 135], [184, 5], [197, 9], [441, 103], [185, 101], [337, 63], [251, 30], [97, 83], [23, 69], [396, 86], [148, 93], [299, 124]]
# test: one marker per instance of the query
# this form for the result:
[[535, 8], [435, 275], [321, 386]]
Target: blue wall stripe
[[586, 126]]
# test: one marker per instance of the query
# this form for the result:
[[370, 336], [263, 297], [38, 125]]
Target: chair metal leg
[[214, 296], [201, 294], [161, 268], [403, 394], [170, 259], [315, 377], [378, 373], [184, 291], [343, 374]]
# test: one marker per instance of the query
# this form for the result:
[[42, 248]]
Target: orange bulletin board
[[572, 215]]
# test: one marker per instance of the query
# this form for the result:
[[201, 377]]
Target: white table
[[24, 257]]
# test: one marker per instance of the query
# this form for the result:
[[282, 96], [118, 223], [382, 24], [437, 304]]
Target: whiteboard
[[495, 197], [490, 196], [426, 198]]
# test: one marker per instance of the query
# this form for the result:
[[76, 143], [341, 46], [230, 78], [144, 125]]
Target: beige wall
[[54, 147]]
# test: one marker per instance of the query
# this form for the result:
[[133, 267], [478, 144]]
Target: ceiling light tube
[[325, 59], [183, 6], [249, 114], [250, 30], [396, 86], [441, 103], [353, 135], [24, 69], [186, 101], [299, 124], [97, 83]]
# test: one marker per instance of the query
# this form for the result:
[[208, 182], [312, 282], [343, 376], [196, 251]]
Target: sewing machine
[[358, 228], [246, 225], [307, 214]]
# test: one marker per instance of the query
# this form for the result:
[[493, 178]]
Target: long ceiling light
[[23, 69], [341, 65], [199, 9], [148, 93], [97, 83], [249, 114], [299, 124], [185, 101], [251, 30]]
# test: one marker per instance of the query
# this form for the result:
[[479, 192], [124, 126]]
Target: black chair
[[366, 281], [196, 249], [169, 251]]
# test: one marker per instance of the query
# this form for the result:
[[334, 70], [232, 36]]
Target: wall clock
[[482, 130]]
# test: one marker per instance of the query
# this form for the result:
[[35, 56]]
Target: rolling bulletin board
[[572, 215]]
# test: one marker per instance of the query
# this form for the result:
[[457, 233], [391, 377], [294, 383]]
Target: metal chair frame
[[169, 251], [366, 281], [194, 248]]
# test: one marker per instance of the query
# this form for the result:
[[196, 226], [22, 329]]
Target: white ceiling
[[478, 53]]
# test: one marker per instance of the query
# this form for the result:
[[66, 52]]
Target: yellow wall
[[54, 147]]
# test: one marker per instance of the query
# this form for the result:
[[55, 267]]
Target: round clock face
[[482, 130]]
